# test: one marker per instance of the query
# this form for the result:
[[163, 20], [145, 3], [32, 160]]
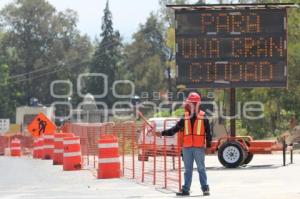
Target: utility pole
[[169, 88], [232, 112]]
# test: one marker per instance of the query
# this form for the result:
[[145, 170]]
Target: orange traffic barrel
[[15, 147], [40, 148], [48, 146], [59, 147], [108, 159], [72, 154], [35, 147]]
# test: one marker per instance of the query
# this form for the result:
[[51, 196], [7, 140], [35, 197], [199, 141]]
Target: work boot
[[183, 193], [206, 191]]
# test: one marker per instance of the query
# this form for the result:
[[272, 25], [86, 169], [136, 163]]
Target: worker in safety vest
[[196, 137]]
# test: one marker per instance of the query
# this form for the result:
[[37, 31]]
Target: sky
[[127, 14]]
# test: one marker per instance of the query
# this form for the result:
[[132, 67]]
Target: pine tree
[[106, 58]]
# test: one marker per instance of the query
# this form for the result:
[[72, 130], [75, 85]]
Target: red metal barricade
[[26, 143], [3, 144], [156, 162]]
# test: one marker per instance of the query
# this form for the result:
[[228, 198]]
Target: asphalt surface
[[264, 178]]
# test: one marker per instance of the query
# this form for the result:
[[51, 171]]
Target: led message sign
[[224, 48]]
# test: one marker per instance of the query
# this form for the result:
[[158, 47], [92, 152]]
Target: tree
[[4, 95], [167, 14], [168, 19], [41, 45], [107, 57], [8, 94], [279, 104], [146, 57]]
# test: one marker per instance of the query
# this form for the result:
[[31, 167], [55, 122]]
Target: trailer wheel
[[248, 158], [231, 154]]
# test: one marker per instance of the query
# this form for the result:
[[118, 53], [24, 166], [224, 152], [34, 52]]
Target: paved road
[[36, 179]]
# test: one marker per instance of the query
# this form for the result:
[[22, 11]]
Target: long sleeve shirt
[[180, 126]]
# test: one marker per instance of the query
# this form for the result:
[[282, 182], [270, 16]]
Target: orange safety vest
[[194, 137]]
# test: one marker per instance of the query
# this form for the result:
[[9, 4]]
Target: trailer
[[232, 151], [239, 150]]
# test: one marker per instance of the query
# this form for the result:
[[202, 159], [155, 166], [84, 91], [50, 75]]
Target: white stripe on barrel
[[72, 154], [58, 151], [108, 145], [66, 142], [108, 160], [48, 136], [48, 146], [15, 148], [58, 139]]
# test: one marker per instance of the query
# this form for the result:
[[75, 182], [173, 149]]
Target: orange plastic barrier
[[35, 148], [109, 161], [59, 147], [162, 167], [40, 148], [48, 147], [15, 149], [72, 154]]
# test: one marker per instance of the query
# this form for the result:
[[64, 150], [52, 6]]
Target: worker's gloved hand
[[158, 134], [208, 145]]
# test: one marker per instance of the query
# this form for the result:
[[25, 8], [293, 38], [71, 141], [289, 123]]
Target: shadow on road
[[248, 167]]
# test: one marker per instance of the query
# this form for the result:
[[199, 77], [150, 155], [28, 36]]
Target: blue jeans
[[189, 155]]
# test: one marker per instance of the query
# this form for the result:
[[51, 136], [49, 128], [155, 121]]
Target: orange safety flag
[[41, 125]]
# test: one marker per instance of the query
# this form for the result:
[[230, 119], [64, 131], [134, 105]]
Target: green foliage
[[168, 19], [40, 45], [3, 89], [145, 57], [3, 74], [162, 114], [177, 113]]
